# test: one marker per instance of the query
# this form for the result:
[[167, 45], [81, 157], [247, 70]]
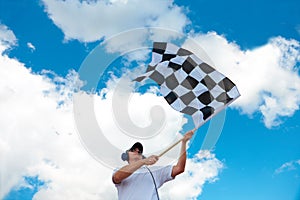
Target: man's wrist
[[143, 162]]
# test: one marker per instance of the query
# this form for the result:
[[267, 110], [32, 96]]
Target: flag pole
[[196, 128], [169, 148], [173, 145]]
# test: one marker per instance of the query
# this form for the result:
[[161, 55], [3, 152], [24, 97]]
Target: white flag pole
[[196, 128], [169, 148], [173, 145]]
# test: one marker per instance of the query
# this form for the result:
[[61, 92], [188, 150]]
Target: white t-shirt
[[140, 185]]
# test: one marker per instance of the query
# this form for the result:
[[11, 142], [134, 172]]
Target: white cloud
[[7, 38], [92, 20], [288, 166], [250, 69], [30, 46], [37, 126], [267, 76], [38, 135], [140, 113], [204, 167]]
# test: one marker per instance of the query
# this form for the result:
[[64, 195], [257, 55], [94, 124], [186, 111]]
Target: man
[[136, 181]]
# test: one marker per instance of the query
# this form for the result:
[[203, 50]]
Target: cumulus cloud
[[250, 69], [125, 21], [93, 20], [7, 38], [38, 134], [203, 167], [267, 76], [39, 138], [139, 113]]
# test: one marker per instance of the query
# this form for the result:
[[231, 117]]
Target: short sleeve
[[163, 174]]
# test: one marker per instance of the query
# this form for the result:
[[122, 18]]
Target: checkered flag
[[188, 84]]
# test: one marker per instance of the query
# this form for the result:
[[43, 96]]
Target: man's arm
[[127, 170], [180, 166]]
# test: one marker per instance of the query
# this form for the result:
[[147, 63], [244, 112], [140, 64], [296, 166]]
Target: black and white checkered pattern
[[188, 84]]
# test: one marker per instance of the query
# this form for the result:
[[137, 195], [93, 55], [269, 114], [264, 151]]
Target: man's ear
[[125, 156]]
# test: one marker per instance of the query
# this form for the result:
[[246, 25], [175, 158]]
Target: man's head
[[138, 147], [135, 153]]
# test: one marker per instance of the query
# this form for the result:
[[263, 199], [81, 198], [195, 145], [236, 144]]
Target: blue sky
[[259, 144]]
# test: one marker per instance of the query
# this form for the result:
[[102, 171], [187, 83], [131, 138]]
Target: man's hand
[[188, 135], [151, 160]]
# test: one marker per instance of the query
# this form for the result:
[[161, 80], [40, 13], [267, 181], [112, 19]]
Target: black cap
[[137, 145]]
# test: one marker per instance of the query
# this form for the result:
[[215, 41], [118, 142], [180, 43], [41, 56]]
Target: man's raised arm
[[180, 166]]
